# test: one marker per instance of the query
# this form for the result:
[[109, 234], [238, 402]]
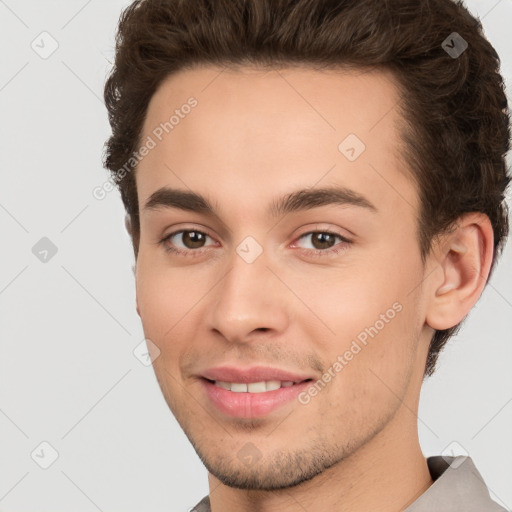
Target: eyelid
[[198, 229], [174, 233], [319, 228], [336, 248]]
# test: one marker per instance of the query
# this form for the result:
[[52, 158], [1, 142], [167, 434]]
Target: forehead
[[254, 131]]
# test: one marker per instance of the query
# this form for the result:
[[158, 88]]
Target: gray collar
[[458, 486]]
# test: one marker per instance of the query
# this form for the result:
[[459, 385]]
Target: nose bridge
[[248, 297]]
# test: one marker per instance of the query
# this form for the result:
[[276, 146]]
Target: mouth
[[253, 399], [263, 386]]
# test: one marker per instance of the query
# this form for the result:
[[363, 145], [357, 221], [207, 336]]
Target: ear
[[136, 291], [137, 304], [128, 226], [128, 223], [464, 257]]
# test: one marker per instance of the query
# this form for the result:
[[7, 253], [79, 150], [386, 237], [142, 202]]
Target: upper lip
[[252, 374]]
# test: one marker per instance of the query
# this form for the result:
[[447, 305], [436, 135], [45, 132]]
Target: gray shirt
[[457, 487]]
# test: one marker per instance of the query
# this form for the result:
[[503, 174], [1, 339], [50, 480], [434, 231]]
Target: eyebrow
[[299, 200]]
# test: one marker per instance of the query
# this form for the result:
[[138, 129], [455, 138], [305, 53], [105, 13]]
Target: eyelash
[[197, 252]]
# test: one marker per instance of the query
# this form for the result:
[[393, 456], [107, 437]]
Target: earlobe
[[464, 257]]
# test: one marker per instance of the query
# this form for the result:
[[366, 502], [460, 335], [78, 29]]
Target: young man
[[315, 194]]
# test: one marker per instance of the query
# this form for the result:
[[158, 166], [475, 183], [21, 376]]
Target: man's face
[[280, 290]]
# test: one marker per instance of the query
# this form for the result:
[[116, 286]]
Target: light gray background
[[69, 326]]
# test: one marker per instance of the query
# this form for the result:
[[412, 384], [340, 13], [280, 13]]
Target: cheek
[[345, 302], [370, 325], [166, 299], [166, 307], [372, 367]]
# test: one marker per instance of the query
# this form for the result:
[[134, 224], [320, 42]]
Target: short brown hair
[[454, 108]]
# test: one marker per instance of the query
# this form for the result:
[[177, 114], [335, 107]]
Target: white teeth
[[238, 388], [273, 384], [257, 387], [254, 387]]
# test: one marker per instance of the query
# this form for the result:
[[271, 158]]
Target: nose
[[249, 299]]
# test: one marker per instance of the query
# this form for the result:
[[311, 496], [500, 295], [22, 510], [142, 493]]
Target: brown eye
[[185, 241], [322, 240], [193, 239]]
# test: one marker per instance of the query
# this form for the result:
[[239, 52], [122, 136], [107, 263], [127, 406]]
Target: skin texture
[[256, 135]]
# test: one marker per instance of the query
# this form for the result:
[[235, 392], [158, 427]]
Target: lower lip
[[251, 405]]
